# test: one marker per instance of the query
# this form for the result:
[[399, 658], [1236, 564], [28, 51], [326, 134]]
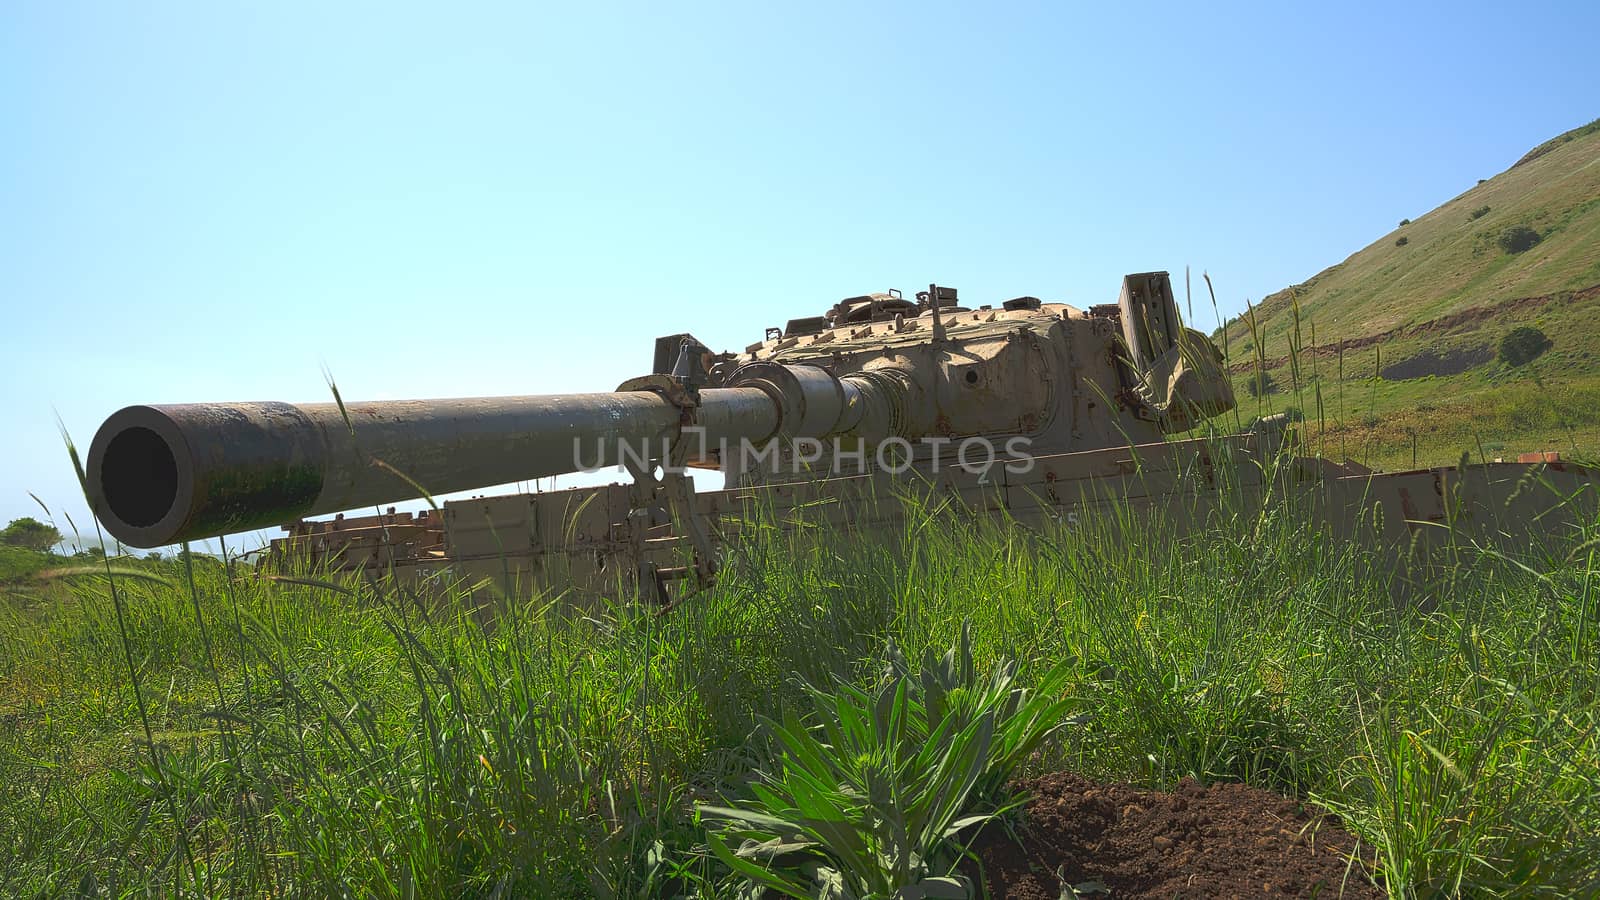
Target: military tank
[[1024, 408]]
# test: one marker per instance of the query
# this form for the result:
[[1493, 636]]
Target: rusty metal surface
[[162, 474], [584, 541]]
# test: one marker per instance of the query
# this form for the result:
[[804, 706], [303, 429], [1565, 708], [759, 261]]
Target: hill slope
[[1392, 353]]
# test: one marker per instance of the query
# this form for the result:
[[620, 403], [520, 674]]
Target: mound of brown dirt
[[1225, 840]]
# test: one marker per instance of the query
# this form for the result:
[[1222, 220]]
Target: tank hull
[[592, 542]]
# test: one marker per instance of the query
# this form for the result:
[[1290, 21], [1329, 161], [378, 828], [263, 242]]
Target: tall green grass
[[330, 737]]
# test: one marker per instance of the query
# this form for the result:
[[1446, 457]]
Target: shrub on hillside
[[1404, 222], [1401, 241], [1522, 345], [1480, 212], [1518, 238], [1259, 384], [30, 533]]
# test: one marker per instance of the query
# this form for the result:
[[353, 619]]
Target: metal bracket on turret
[[681, 389]]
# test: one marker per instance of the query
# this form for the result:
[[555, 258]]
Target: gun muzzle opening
[[139, 477]]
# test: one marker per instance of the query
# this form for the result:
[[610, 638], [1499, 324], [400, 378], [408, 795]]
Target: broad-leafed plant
[[869, 796]]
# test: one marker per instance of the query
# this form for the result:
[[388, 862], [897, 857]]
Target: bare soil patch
[[1221, 840]]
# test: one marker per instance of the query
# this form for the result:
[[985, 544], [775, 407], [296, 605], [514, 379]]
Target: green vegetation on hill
[[1399, 342], [17, 563]]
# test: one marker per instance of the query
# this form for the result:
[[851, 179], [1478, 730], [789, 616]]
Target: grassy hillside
[[1393, 352]]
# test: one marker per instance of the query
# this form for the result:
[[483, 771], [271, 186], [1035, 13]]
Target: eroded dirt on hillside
[[1221, 840], [1456, 320]]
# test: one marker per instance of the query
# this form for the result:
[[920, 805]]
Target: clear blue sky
[[208, 202]]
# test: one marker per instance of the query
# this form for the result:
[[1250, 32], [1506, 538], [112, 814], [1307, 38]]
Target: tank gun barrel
[[163, 474]]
